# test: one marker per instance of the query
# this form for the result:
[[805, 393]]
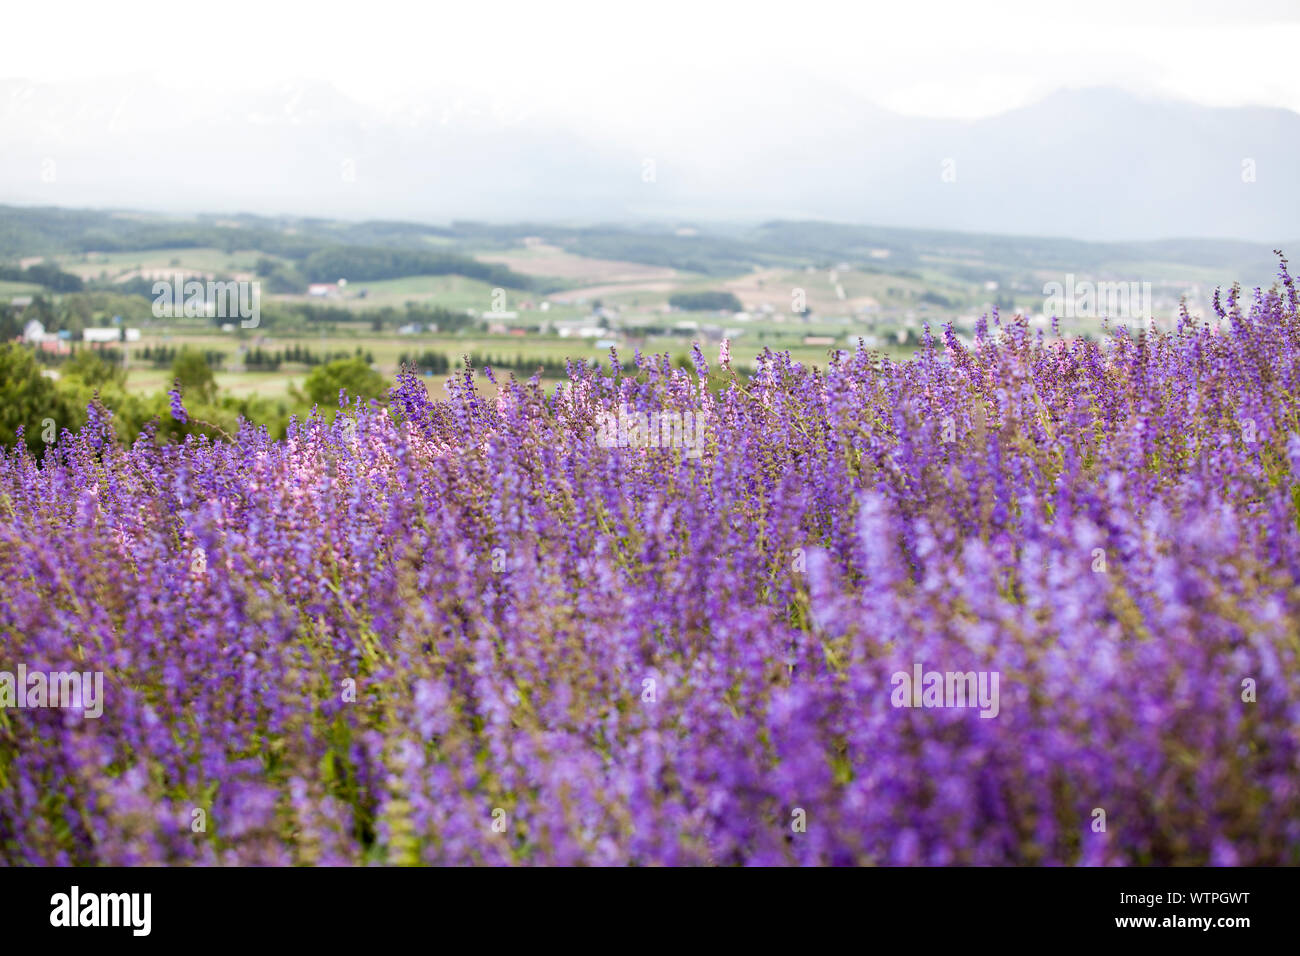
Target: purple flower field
[[505, 630]]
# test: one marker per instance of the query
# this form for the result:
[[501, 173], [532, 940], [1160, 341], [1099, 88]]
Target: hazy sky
[[636, 62]]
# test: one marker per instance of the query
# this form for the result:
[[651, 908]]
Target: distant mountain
[[1090, 164]]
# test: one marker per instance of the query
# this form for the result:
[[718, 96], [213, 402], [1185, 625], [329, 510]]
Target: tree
[[42, 311], [352, 374], [195, 376], [10, 327], [31, 400], [91, 368], [705, 301]]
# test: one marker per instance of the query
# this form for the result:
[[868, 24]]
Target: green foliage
[[279, 277], [353, 374], [359, 264], [428, 361], [192, 371], [130, 412], [52, 277], [10, 326], [32, 401], [260, 360], [523, 365], [272, 413], [45, 407], [94, 370], [705, 301]]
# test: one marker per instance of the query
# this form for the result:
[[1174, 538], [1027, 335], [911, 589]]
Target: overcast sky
[[636, 61]]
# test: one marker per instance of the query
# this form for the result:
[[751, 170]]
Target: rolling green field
[[113, 265], [569, 287], [387, 349], [450, 292]]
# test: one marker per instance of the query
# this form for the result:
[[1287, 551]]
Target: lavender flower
[[177, 407], [466, 632]]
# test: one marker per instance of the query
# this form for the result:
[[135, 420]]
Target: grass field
[[386, 350], [147, 380], [449, 291], [122, 265], [9, 289], [552, 262]]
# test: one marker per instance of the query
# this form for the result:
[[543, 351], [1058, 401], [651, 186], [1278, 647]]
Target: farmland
[[523, 299]]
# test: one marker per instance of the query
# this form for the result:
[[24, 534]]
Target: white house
[[34, 331], [578, 329]]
